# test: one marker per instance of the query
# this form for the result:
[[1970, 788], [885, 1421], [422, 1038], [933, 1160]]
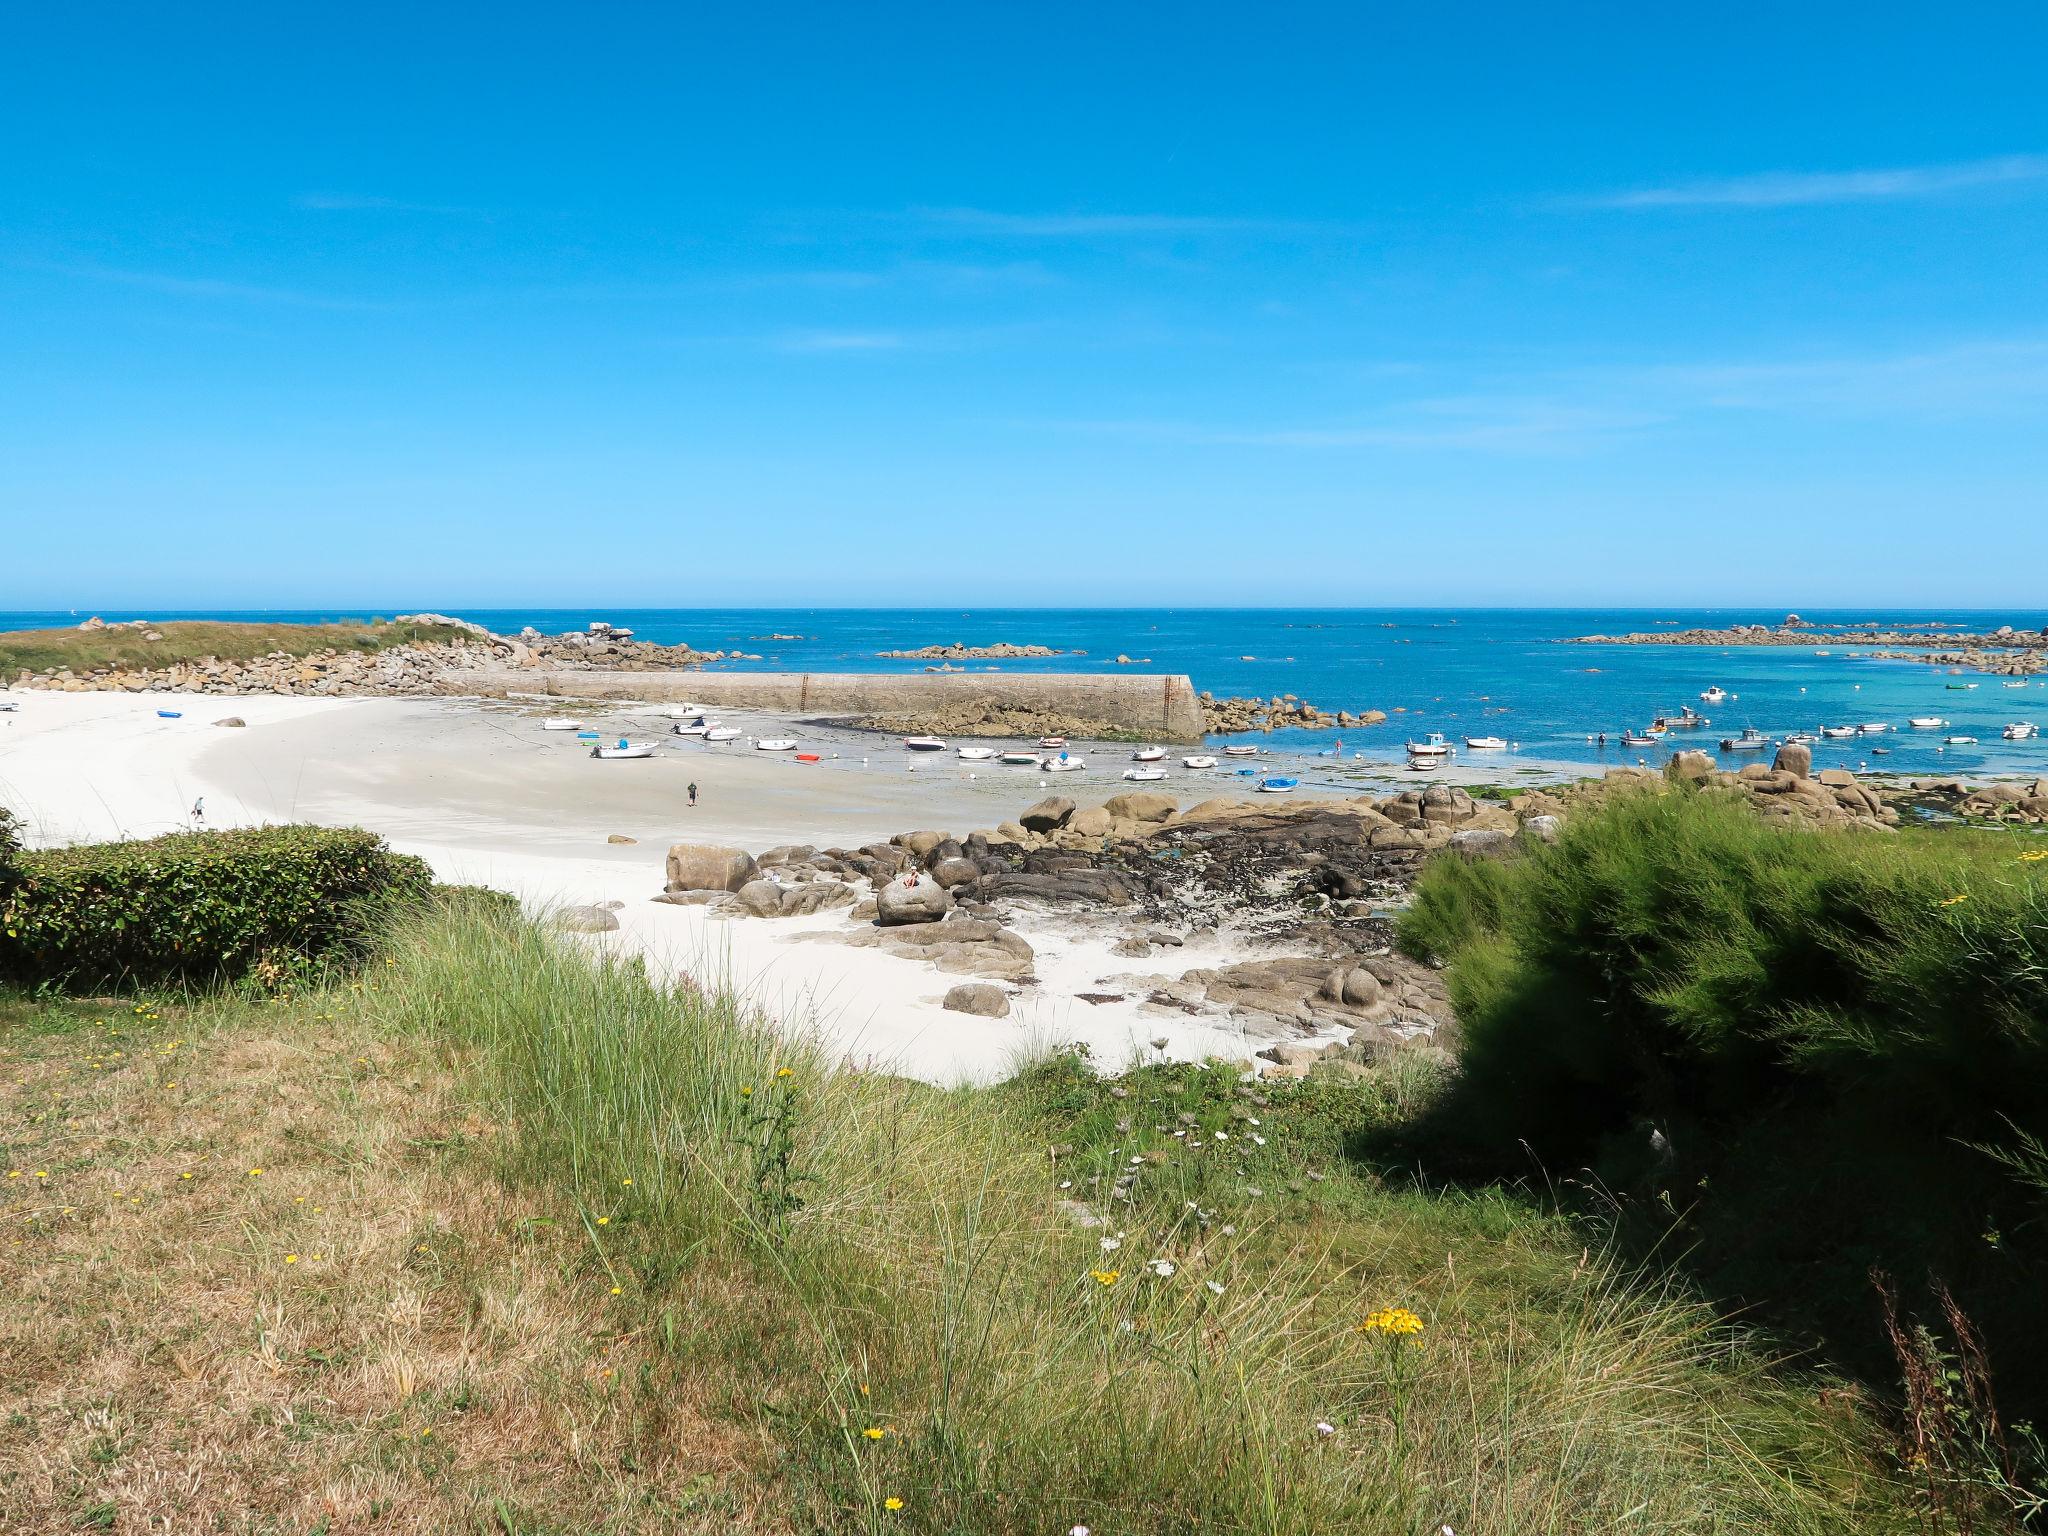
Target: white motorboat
[[2019, 684], [625, 748], [1052, 743], [2021, 730], [976, 754], [1959, 741], [1639, 739], [1198, 762], [1751, 740], [1432, 745], [923, 744], [1485, 743], [690, 728], [1872, 728], [1144, 775], [1063, 764], [546, 725], [722, 733], [686, 712], [1715, 695], [7, 706], [1927, 722], [1021, 758], [1149, 755], [775, 744], [1687, 719], [1241, 751], [1838, 732], [1801, 739]]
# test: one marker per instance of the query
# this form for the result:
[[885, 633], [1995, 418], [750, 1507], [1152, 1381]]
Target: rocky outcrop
[[1234, 716], [414, 668], [2021, 803], [913, 899], [978, 998], [1002, 650], [960, 944], [585, 920], [1048, 815], [708, 867]]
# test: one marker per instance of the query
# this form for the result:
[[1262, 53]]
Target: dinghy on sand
[[624, 749]]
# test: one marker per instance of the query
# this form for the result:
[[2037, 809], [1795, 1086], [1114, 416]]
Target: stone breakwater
[[1157, 707]]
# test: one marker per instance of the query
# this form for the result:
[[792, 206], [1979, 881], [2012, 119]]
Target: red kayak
[[807, 757]]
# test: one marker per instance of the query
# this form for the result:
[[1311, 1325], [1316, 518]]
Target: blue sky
[[1197, 304]]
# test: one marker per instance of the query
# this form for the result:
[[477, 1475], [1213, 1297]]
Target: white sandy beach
[[487, 797]]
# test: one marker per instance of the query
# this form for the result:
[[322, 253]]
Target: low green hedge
[[260, 905]]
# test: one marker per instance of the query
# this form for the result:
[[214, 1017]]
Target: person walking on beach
[[693, 791]]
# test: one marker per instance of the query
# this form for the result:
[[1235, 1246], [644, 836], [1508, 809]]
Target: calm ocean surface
[[1461, 671]]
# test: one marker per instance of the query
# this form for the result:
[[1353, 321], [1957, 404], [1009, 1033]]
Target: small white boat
[[775, 744], [1063, 764], [923, 744], [1433, 745], [1927, 722], [1241, 751], [1751, 740], [1959, 741], [1021, 758], [1277, 786], [1485, 743], [2021, 730], [1144, 775], [693, 728], [1872, 728], [686, 712], [561, 725], [1198, 762], [1638, 739], [1714, 695], [976, 754], [1801, 739], [1838, 732], [2013, 685], [1052, 743], [7, 706], [624, 749], [1149, 755], [722, 733]]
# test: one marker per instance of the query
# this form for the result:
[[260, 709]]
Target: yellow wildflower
[[784, 1072], [1950, 901], [1396, 1321], [874, 1432], [1106, 1276], [892, 1503]]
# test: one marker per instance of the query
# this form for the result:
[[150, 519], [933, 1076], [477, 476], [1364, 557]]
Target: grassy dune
[[39, 650], [539, 1245]]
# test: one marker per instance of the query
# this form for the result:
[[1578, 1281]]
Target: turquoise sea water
[[1464, 672]]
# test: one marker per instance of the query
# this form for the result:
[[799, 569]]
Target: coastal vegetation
[[480, 1232], [177, 641], [253, 906], [1811, 1065]]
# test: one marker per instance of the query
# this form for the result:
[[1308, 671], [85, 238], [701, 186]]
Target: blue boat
[[170, 714], [1247, 773], [1277, 786], [586, 735]]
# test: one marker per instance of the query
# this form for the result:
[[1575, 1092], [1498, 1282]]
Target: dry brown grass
[[371, 1334], [197, 639]]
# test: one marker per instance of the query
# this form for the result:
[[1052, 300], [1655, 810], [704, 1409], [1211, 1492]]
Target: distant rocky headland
[[2006, 650]]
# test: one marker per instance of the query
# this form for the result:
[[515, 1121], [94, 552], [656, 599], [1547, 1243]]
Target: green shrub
[[1817, 1052], [262, 904]]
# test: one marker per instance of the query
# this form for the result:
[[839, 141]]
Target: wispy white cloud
[[839, 341], [1087, 226], [179, 285], [1791, 189], [345, 202], [1595, 408]]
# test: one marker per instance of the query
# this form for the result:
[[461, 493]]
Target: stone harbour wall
[[1161, 705]]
